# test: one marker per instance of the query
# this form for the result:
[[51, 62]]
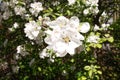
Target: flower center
[[66, 39]]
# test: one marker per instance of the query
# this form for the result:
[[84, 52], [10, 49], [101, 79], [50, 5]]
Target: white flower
[[105, 26], [94, 10], [55, 3], [11, 29], [92, 2], [64, 37], [93, 39], [36, 7], [4, 6], [62, 48], [64, 42], [19, 10], [92, 7], [70, 2], [64, 23], [44, 53], [73, 24], [21, 50], [12, 3], [60, 22], [27, 16], [96, 28], [7, 14], [46, 20], [53, 36], [86, 11], [15, 25], [84, 27], [110, 21], [91, 10], [104, 14], [32, 30]]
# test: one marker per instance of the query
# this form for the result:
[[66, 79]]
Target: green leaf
[[72, 60], [99, 72], [110, 39], [97, 77], [90, 73], [88, 49], [87, 68], [107, 35], [82, 78], [39, 69], [26, 78], [99, 45], [68, 12]]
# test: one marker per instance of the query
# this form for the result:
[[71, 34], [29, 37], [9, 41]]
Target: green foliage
[[81, 66]]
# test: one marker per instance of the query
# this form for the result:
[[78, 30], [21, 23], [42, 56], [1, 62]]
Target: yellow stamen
[[66, 39]]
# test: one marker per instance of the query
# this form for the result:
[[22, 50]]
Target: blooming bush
[[53, 39]]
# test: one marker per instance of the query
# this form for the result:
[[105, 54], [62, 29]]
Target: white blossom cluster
[[64, 36], [19, 8], [70, 2], [32, 30], [92, 7], [36, 7]]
